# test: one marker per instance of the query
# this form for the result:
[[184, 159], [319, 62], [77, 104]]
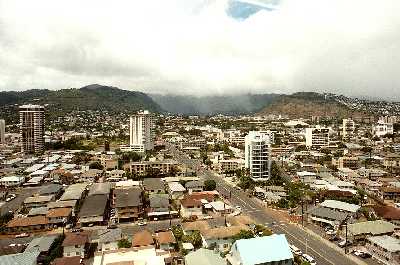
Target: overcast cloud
[[195, 47]]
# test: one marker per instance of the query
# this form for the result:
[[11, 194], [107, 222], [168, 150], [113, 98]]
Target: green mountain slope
[[92, 97]]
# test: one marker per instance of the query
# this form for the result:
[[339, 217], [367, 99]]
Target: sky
[[203, 47]]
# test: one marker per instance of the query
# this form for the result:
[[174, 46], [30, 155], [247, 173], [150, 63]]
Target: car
[[365, 255], [68, 226], [112, 226], [76, 230], [142, 223], [309, 259], [331, 232], [22, 235], [238, 208], [296, 250], [343, 243]]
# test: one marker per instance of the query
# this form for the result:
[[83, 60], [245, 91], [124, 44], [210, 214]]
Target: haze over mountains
[[99, 97]]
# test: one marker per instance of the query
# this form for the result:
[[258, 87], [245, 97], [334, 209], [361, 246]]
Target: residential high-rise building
[[382, 128], [258, 154], [32, 128], [2, 131], [317, 137], [348, 128], [141, 131]]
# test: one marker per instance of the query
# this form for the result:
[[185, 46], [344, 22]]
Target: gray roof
[[94, 205], [73, 192], [50, 189], [110, 235], [378, 227], [25, 258], [100, 188], [194, 184], [153, 184], [339, 205], [42, 243], [204, 256], [328, 213], [387, 242], [128, 197], [159, 201], [38, 211]]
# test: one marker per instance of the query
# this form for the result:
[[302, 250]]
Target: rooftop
[[344, 206], [268, 249]]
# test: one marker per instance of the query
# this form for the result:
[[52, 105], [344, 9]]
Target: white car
[[22, 235], [296, 250], [309, 259], [142, 223], [238, 208]]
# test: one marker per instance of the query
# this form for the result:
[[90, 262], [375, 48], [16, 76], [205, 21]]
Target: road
[[15, 204], [317, 248]]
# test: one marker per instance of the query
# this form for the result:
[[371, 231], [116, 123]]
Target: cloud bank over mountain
[[203, 47]]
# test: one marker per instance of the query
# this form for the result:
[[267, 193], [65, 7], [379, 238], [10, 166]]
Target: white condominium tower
[[257, 154], [141, 131], [2, 131], [348, 128], [32, 128], [317, 137]]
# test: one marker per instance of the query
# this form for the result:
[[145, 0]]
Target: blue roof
[[263, 249]]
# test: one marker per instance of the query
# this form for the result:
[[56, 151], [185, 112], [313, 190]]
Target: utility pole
[[345, 246]]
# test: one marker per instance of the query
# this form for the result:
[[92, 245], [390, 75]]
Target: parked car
[[22, 235], [309, 259], [142, 223], [296, 250]]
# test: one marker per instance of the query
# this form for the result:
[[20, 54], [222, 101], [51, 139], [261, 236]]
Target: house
[[128, 204], [384, 248], [59, 216], [220, 207], [220, 237], [266, 250], [159, 206], [43, 244], [165, 240], [37, 211], [38, 201], [176, 190], [103, 188], [194, 186], [143, 256], [74, 192], [93, 210], [24, 258], [388, 213], [153, 185], [142, 238], [75, 244], [340, 206], [51, 189], [67, 261], [191, 207], [327, 216], [91, 175], [108, 239], [28, 224], [360, 231], [390, 193], [12, 181], [204, 256]]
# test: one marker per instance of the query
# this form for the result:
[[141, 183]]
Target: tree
[[96, 165], [243, 234], [124, 243], [210, 184]]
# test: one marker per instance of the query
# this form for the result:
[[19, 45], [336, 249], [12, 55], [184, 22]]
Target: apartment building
[[317, 137], [258, 154], [382, 128], [2, 131], [348, 129], [142, 130], [144, 167], [32, 128]]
